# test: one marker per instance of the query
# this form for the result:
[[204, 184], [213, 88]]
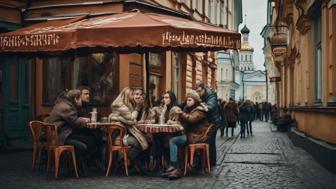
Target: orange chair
[[204, 147], [116, 148], [55, 150], [36, 128]]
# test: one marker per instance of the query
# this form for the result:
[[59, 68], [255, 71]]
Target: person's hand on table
[[85, 119]]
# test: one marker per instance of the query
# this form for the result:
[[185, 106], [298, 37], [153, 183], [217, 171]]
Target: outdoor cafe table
[[94, 125], [158, 130]]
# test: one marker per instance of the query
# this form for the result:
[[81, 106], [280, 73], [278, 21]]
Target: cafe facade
[[60, 46]]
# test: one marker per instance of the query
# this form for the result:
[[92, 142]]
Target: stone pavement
[[265, 160]]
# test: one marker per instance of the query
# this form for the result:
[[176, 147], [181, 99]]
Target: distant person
[[231, 112]]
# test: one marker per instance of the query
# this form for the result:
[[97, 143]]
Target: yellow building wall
[[317, 122], [317, 125], [124, 60]]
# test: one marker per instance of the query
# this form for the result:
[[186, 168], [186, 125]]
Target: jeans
[[212, 148], [173, 146], [243, 125], [249, 127], [135, 149]]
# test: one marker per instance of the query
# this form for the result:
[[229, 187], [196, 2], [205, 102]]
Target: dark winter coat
[[210, 98], [65, 115], [231, 111], [245, 112], [196, 126]]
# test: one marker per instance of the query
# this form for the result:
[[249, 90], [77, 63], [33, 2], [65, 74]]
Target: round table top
[[159, 128]]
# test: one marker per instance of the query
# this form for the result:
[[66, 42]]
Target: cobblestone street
[[265, 160]]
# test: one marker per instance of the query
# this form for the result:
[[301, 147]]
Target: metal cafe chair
[[37, 129], [55, 150], [116, 148]]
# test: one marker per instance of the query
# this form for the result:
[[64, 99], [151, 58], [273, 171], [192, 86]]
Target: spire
[[245, 30], [245, 19]]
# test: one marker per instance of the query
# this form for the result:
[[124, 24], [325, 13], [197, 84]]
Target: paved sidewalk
[[265, 160], [268, 159]]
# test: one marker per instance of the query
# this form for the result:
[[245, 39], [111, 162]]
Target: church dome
[[245, 30]]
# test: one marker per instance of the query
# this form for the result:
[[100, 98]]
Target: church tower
[[246, 52]]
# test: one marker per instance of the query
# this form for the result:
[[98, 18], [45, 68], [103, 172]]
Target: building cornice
[[303, 23]]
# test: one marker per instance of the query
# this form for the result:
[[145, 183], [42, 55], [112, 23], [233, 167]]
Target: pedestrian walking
[[251, 116], [244, 111], [231, 112], [222, 116], [266, 110]]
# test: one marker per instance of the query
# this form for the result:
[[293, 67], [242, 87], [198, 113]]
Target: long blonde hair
[[125, 97]]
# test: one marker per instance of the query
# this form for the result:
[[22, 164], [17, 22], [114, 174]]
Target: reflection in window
[[99, 71], [155, 62], [54, 82], [103, 77]]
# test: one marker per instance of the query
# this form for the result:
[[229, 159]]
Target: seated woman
[[125, 109], [161, 116], [196, 129], [169, 100], [71, 127]]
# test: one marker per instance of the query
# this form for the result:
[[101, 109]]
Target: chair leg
[[34, 156], [48, 163], [57, 158], [208, 157], [203, 159], [125, 152], [192, 153], [74, 163], [109, 163], [39, 152], [185, 160]]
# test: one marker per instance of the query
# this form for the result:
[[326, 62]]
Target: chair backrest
[[113, 128], [52, 135], [36, 129]]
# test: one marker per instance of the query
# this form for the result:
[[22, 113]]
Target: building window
[[187, 2], [99, 71], [221, 77], [317, 49], [245, 57], [155, 79], [198, 6], [176, 74]]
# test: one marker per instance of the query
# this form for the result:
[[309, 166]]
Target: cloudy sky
[[255, 11]]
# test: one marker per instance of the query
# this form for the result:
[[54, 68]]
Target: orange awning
[[134, 31]]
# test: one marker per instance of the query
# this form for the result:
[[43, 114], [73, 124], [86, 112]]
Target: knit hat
[[193, 94]]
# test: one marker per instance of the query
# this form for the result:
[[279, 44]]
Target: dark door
[[16, 95]]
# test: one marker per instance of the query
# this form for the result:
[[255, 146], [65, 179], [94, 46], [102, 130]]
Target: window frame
[[67, 64], [316, 21]]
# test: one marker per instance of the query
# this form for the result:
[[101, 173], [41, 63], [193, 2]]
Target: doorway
[[15, 95]]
